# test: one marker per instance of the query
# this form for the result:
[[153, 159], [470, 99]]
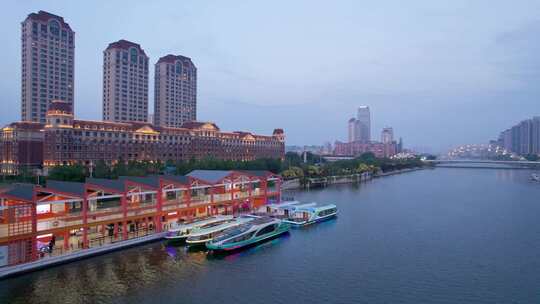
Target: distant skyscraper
[[523, 138], [353, 129], [364, 124], [387, 135], [175, 91], [48, 47], [125, 82]]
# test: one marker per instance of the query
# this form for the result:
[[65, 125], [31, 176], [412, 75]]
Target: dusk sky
[[441, 73]]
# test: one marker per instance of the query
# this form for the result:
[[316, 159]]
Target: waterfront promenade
[[428, 236]]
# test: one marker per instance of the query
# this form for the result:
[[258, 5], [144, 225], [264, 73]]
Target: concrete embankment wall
[[398, 172]]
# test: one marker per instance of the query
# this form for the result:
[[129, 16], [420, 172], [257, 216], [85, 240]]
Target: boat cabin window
[[267, 230], [241, 238], [327, 212]]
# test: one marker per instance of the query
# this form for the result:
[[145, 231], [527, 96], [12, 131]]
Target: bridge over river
[[484, 164]]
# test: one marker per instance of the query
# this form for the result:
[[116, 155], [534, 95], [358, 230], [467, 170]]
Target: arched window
[[134, 55], [54, 27], [178, 67]]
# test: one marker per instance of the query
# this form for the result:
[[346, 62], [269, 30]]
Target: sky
[[441, 73]]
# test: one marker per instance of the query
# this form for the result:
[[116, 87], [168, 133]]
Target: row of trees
[[80, 172], [293, 166], [367, 162]]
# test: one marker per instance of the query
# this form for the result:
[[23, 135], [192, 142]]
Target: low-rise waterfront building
[[64, 140], [65, 217]]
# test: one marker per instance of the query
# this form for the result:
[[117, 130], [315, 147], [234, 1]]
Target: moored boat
[[306, 215], [256, 231], [181, 231], [205, 233]]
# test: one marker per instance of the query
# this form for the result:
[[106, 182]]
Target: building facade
[[175, 91], [21, 147], [523, 138], [357, 148], [387, 135], [125, 82], [47, 55], [364, 124], [64, 218], [353, 129], [66, 140]]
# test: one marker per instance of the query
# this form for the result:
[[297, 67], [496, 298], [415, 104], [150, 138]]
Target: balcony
[[222, 197], [104, 209], [47, 221], [200, 200]]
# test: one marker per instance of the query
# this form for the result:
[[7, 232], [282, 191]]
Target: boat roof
[[262, 220], [234, 231], [289, 203], [296, 207], [317, 208], [232, 223], [203, 221]]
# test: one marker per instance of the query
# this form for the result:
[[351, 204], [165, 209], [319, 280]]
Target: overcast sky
[[441, 73]]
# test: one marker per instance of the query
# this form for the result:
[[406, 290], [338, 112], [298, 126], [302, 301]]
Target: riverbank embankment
[[308, 183]]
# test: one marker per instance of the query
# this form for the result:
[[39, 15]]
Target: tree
[[101, 170], [531, 157], [314, 171], [70, 173], [362, 168]]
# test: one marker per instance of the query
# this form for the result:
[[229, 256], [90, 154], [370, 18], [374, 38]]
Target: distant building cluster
[[325, 149], [359, 138], [523, 138], [48, 134], [481, 151], [360, 127]]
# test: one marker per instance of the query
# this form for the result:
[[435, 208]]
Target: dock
[[9, 271]]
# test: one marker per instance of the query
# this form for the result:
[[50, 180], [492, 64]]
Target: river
[[430, 236]]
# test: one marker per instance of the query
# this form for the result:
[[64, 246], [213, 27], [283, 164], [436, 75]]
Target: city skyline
[[434, 113]]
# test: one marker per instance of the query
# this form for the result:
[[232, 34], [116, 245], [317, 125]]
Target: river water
[[430, 236]]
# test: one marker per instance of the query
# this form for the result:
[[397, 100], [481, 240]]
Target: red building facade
[[78, 216]]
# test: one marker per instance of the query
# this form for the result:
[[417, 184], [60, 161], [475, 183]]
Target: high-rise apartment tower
[[48, 48]]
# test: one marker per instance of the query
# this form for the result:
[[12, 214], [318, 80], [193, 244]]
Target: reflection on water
[[235, 254], [432, 236]]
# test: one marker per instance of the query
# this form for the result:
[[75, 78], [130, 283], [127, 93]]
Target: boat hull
[[197, 243], [247, 243], [175, 239]]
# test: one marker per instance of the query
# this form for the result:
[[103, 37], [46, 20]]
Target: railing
[[94, 241], [222, 197], [141, 210], [200, 199], [57, 222], [105, 216], [173, 205]]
